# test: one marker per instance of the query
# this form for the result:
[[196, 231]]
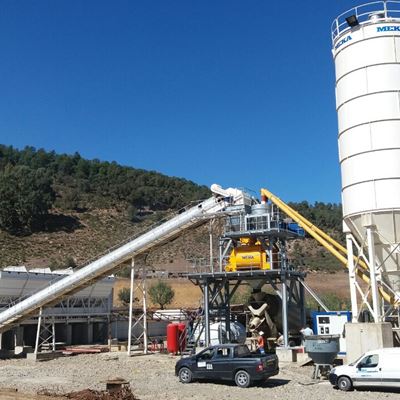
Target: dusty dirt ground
[[152, 377]]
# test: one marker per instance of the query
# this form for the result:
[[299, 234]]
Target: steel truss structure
[[368, 297], [138, 321], [218, 289]]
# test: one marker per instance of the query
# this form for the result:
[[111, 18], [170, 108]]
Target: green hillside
[[59, 210]]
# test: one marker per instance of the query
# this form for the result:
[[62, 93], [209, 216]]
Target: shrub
[[161, 293]]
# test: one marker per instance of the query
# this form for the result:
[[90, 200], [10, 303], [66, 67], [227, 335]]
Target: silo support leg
[[352, 278], [373, 273]]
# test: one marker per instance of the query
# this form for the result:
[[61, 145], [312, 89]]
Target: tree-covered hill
[[59, 210], [32, 182]]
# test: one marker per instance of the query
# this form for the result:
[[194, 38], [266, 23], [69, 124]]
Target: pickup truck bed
[[231, 362]]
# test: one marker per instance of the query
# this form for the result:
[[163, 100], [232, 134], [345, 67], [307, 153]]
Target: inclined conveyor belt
[[170, 229]]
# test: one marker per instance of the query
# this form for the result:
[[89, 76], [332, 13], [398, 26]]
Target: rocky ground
[[152, 377]]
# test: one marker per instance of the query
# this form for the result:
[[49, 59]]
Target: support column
[[145, 337], [206, 314], [211, 247], [18, 336], [90, 331], [227, 312], [68, 328], [53, 333], [302, 303], [372, 268], [284, 312], [38, 331], [352, 277], [220, 255], [131, 306]]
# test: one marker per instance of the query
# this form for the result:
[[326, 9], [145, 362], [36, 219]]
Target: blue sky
[[235, 92]]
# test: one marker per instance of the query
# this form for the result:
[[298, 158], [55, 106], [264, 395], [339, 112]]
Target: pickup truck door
[[203, 365], [368, 372], [221, 367]]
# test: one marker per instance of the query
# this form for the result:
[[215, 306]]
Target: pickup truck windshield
[[242, 352]]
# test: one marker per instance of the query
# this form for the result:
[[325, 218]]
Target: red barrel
[[172, 338], [182, 336]]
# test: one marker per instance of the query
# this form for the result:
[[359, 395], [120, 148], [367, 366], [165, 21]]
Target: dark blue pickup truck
[[232, 362]]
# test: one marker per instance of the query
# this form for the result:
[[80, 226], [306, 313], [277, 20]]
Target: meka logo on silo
[[388, 28], [343, 41]]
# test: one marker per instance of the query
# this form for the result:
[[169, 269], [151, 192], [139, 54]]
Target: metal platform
[[219, 287], [268, 274]]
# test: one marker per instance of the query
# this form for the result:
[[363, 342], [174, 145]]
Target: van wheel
[[344, 383], [242, 379], [185, 375]]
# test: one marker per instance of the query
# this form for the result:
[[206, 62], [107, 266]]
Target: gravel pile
[[152, 377]]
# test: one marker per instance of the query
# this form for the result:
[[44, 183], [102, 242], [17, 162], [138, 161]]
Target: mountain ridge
[[76, 209]]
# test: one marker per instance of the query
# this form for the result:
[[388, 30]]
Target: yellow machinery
[[248, 255], [328, 242]]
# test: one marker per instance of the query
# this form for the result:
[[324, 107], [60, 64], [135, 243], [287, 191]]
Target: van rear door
[[391, 370], [368, 371]]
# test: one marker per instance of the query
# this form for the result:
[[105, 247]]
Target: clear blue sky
[[235, 92]]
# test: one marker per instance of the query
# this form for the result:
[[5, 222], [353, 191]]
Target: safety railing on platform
[[375, 11]]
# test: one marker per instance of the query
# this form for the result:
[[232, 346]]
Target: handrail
[[327, 241], [383, 10]]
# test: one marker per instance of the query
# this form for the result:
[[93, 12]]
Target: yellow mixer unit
[[248, 255]]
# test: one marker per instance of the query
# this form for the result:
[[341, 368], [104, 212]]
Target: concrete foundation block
[[363, 337], [303, 358], [286, 354]]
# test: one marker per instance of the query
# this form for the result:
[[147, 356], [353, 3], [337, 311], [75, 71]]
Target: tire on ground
[[344, 383], [185, 375], [242, 378]]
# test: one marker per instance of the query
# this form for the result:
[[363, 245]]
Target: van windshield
[[355, 362]]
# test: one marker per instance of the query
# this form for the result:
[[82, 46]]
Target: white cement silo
[[367, 64]]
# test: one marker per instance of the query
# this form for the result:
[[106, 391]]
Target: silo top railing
[[380, 10]]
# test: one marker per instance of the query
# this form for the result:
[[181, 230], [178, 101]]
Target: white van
[[374, 368]]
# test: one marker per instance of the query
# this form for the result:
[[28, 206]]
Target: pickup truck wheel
[[185, 375], [242, 379], [344, 383]]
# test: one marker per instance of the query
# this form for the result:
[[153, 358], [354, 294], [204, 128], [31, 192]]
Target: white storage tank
[[366, 51]]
